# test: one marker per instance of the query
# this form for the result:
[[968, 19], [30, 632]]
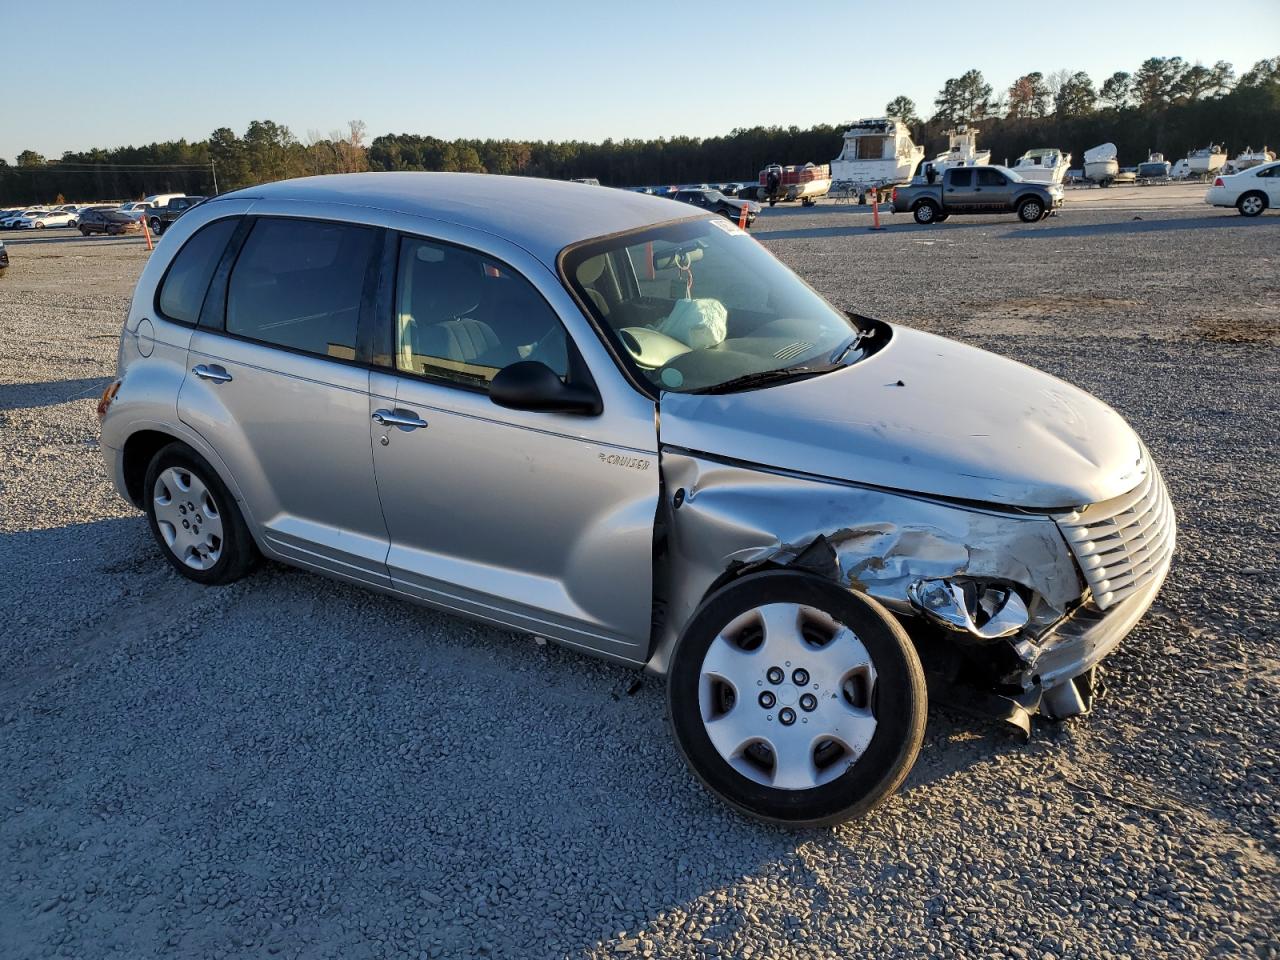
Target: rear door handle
[[404, 419], [211, 372]]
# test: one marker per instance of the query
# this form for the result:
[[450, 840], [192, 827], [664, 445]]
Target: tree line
[[1166, 104]]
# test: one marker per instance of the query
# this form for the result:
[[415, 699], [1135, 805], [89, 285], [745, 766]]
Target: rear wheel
[[1030, 210], [1251, 204], [84, 231], [795, 700], [157, 226], [926, 212], [195, 519]]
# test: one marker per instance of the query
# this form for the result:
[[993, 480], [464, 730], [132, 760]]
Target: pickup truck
[[159, 218], [983, 189]]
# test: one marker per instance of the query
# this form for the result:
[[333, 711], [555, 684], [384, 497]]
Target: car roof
[[543, 216]]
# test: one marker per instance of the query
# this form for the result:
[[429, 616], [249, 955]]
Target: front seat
[[589, 273]]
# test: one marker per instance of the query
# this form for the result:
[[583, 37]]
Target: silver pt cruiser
[[606, 419]]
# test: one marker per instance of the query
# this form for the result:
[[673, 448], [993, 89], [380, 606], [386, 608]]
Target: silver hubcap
[[188, 518], [924, 214], [786, 696], [1031, 211], [1252, 205]]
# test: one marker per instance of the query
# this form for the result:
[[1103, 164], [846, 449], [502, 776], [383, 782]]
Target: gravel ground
[[292, 767]]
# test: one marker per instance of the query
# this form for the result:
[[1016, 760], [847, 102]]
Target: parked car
[[4, 259], [135, 208], [832, 498], [1251, 191], [47, 218], [107, 220], [159, 218], [11, 221], [981, 189], [717, 202]]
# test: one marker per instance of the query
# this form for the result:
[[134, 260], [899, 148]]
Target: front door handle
[[404, 419], [211, 372]]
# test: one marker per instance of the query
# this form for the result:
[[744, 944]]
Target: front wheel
[[1030, 210], [194, 518], [796, 701], [926, 212], [1251, 204]]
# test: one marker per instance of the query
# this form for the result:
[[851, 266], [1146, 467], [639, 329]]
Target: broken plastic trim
[[986, 611]]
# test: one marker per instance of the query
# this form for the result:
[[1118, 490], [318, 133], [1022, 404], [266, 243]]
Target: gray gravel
[[290, 767]]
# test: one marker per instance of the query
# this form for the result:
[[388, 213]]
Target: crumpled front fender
[[721, 518]]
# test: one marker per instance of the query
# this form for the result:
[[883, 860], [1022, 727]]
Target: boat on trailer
[[876, 153], [1249, 158], [962, 150], [1101, 165], [1044, 165], [804, 182], [1156, 167], [1207, 160]]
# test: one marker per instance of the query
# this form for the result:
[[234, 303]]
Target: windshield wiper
[[857, 338], [765, 377]]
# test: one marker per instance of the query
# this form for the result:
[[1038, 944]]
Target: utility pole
[[213, 167]]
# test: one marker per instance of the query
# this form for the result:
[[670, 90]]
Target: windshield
[[699, 304]]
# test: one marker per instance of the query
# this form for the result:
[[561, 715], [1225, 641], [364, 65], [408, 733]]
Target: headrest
[[591, 269]]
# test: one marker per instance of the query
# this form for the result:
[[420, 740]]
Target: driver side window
[[462, 316]]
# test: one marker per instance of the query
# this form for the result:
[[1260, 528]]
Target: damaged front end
[[994, 598]]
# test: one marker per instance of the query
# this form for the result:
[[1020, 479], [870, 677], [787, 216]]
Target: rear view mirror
[[532, 385]]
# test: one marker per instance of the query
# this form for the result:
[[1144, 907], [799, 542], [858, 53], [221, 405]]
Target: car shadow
[[294, 717], [16, 396]]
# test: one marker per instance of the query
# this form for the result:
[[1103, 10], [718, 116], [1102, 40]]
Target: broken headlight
[[986, 610]]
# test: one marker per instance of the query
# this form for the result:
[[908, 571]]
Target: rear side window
[[962, 178], [187, 281], [298, 284]]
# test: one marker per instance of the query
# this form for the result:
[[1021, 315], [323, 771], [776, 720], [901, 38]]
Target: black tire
[[1257, 202], [84, 231], [239, 553], [808, 201], [926, 212], [113, 229], [898, 701], [1031, 210], [157, 226]]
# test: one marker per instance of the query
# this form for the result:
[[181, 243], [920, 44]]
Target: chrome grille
[[1125, 543]]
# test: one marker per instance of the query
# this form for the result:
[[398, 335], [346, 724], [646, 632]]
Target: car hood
[[925, 415]]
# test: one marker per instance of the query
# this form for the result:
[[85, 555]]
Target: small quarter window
[[185, 284], [298, 284]]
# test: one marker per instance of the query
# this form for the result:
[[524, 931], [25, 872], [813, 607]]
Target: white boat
[[1181, 170], [1156, 167], [1045, 165], [1207, 160], [876, 153], [1101, 165], [1249, 158], [963, 150]]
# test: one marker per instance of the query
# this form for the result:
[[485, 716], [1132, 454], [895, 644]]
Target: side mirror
[[532, 385]]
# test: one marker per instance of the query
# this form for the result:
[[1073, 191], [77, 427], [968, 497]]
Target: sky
[[554, 70]]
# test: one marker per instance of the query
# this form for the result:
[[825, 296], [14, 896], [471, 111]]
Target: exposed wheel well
[[1261, 195], [138, 451]]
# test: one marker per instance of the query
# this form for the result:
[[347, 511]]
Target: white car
[[1250, 192], [11, 221], [47, 218], [135, 208]]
